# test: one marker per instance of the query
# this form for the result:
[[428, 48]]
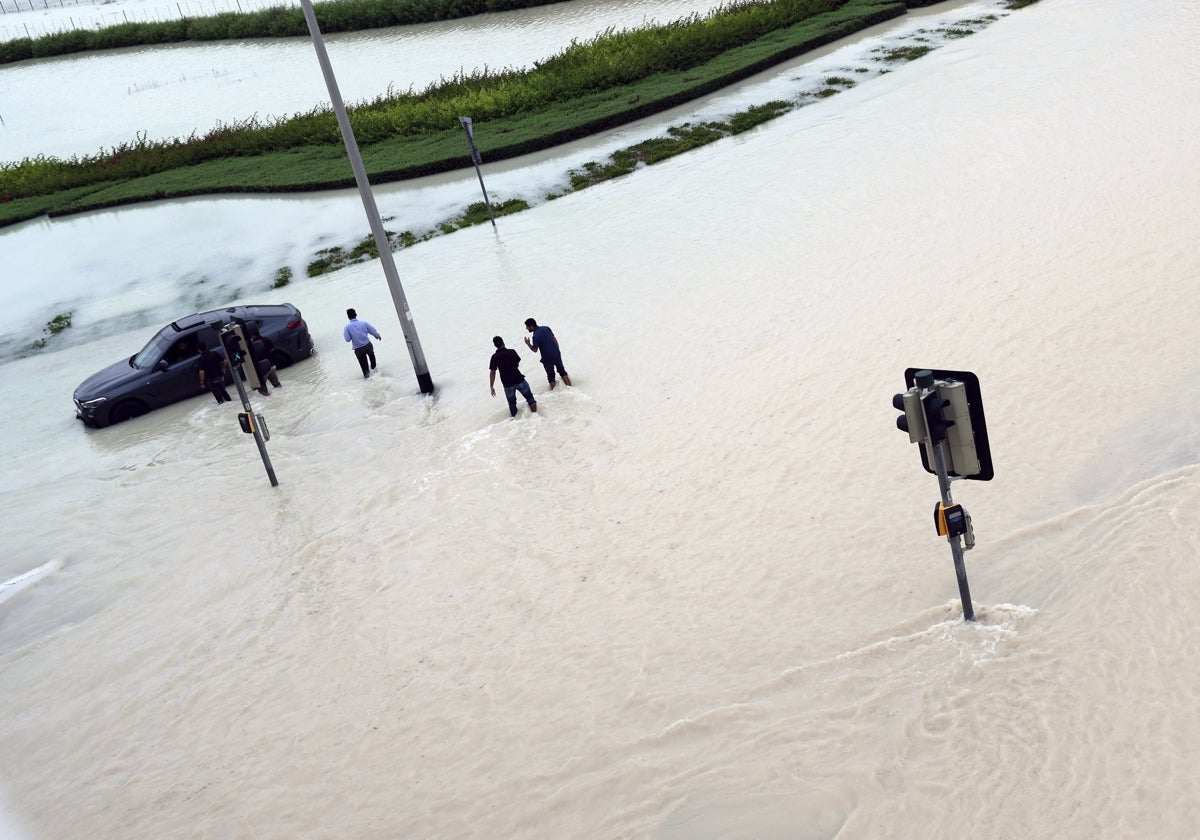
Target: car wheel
[[126, 410]]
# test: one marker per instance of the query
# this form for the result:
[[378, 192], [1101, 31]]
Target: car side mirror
[[162, 365]]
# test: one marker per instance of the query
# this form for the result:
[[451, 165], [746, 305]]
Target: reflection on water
[[699, 590]]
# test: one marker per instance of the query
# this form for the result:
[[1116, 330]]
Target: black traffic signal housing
[[913, 418], [235, 337], [945, 406]]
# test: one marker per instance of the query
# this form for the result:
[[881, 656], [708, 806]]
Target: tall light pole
[[368, 199]]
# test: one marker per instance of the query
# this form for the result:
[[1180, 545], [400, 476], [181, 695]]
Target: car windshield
[[149, 355]]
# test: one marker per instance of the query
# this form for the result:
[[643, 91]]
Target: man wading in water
[[543, 339], [508, 363]]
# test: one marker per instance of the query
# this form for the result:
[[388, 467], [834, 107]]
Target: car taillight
[[294, 324]]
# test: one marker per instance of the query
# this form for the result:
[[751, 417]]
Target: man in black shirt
[[508, 363], [212, 372]]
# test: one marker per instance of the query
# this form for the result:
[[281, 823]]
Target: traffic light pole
[[942, 412], [955, 540], [254, 425]]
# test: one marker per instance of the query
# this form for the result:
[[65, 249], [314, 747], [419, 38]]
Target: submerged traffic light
[[960, 437], [935, 419], [913, 418], [233, 336], [942, 411], [944, 406]]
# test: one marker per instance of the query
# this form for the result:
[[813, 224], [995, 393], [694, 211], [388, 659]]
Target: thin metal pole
[[368, 199], [478, 161], [960, 568]]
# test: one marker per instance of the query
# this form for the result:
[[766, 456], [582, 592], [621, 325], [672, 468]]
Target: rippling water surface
[[698, 594]]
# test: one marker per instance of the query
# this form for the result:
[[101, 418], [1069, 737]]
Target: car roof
[[252, 311], [199, 319]]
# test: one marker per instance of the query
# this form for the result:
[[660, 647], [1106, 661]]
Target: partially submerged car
[[164, 371]]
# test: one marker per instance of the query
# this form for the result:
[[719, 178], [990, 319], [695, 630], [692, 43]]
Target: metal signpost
[[368, 199], [943, 413], [478, 161], [250, 422]]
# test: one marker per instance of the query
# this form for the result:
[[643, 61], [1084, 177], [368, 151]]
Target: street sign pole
[[478, 161]]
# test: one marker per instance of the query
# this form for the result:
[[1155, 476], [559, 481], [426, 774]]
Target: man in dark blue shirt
[[543, 339], [508, 363]]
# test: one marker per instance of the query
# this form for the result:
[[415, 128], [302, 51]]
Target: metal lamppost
[[368, 199]]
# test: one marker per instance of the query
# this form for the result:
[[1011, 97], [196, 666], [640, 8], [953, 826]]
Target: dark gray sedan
[[164, 371]]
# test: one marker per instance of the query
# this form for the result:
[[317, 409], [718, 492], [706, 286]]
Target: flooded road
[[698, 594]]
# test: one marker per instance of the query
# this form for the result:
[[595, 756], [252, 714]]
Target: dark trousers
[[551, 366], [218, 391], [366, 354], [266, 373]]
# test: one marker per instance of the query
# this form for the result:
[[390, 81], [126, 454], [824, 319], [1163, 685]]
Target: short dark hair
[[351, 314], [498, 341], [529, 322]]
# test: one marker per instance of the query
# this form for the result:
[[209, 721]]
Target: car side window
[[184, 349]]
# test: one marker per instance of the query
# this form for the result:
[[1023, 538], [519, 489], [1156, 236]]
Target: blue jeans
[[510, 391]]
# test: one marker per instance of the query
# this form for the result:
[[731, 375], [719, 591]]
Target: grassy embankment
[[613, 79]]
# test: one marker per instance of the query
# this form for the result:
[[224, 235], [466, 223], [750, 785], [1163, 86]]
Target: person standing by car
[[260, 352], [508, 362], [543, 339], [358, 334], [212, 366]]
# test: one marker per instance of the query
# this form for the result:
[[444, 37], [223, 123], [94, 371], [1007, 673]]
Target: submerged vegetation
[[58, 323], [331, 259], [54, 326]]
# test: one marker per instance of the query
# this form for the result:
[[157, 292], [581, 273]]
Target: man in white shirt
[[358, 334]]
